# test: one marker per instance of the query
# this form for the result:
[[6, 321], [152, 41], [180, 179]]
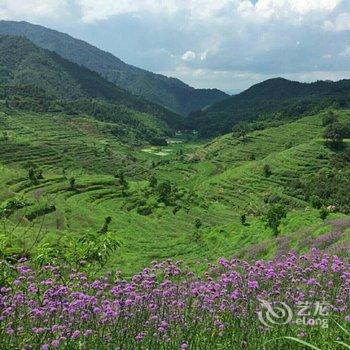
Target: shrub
[[104, 228], [47, 209], [153, 181], [329, 118], [267, 170], [323, 213], [144, 210], [7, 209], [243, 219], [35, 174], [274, 216], [197, 223], [241, 130], [72, 183], [164, 191], [336, 132], [316, 202]]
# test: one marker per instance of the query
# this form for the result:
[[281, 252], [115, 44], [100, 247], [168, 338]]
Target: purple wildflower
[[75, 335]]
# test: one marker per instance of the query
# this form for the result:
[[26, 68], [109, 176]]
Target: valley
[[138, 212], [216, 182]]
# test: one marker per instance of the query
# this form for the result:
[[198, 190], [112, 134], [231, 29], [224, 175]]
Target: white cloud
[[197, 9], [203, 55], [295, 12], [340, 23], [189, 56], [298, 6], [223, 43], [345, 52], [93, 10], [32, 9]]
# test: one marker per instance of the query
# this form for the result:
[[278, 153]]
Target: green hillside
[[169, 92], [21, 62], [180, 201], [270, 102]]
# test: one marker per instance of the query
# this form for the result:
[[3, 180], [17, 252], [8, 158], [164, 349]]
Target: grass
[[226, 175]]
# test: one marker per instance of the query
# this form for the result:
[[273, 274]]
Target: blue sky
[[228, 44]]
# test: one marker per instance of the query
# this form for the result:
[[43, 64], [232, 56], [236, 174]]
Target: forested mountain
[[279, 89], [169, 92], [272, 100], [22, 62]]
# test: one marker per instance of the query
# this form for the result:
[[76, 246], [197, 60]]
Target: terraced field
[[225, 175], [58, 142]]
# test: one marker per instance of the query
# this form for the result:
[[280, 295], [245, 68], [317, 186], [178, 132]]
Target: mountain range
[[68, 68], [22, 62], [275, 100], [168, 92]]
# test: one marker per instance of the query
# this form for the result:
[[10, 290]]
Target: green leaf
[[342, 328], [342, 343], [298, 341]]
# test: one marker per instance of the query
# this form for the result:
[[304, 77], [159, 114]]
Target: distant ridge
[[169, 92], [22, 62], [270, 99]]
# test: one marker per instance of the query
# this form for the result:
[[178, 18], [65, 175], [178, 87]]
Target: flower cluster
[[167, 306]]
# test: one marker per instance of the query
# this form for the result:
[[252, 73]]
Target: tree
[[122, 181], [64, 173], [197, 223], [153, 181], [72, 184], [104, 228], [31, 175], [241, 130], [316, 201], [5, 136], [267, 170], [164, 191], [274, 216], [323, 213], [176, 209], [329, 118], [35, 174], [336, 132], [159, 141], [243, 219]]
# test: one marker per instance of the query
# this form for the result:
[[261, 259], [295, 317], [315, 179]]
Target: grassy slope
[[226, 181], [58, 142]]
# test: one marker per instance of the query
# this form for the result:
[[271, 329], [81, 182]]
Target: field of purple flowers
[[166, 306]]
